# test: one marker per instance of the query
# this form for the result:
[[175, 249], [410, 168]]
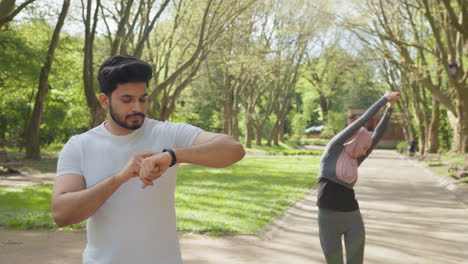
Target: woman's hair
[[122, 69]]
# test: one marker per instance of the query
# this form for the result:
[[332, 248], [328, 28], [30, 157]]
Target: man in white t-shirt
[[121, 174]]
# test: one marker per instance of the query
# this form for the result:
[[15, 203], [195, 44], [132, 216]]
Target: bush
[[336, 122], [298, 125], [315, 141], [402, 147]]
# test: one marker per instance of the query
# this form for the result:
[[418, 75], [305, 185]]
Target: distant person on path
[[338, 213], [121, 174], [412, 148]]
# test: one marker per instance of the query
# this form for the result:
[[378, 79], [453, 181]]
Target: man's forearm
[[220, 152], [74, 207], [382, 125]]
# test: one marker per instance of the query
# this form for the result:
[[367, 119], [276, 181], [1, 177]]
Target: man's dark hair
[[122, 69]]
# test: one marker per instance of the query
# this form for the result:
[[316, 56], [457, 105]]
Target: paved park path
[[411, 217]]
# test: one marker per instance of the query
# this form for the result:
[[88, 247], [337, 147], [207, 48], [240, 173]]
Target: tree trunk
[[98, 114], [258, 134], [119, 35], [3, 127], [249, 130], [227, 104], [141, 42], [460, 129], [273, 133], [447, 54], [406, 124], [422, 140], [462, 106], [461, 132], [6, 10], [433, 137], [235, 123], [6, 7], [33, 134], [323, 106], [453, 121], [464, 148], [280, 132]]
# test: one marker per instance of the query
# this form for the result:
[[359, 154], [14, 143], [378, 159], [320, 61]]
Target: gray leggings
[[332, 226]]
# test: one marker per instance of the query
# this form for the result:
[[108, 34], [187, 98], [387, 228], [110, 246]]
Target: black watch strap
[[174, 160]]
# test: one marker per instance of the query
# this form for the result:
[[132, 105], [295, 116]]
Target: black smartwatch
[[174, 160]]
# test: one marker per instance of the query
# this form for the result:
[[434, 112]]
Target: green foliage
[[200, 108], [311, 109], [315, 141], [298, 125], [241, 56], [335, 83], [402, 147], [445, 131], [65, 112], [18, 58], [360, 88], [336, 122], [21, 59]]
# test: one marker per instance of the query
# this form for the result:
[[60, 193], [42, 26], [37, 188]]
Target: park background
[[260, 71]]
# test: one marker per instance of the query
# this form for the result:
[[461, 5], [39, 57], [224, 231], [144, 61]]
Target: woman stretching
[[338, 212]]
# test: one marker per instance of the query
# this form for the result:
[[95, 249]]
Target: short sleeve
[[69, 161], [184, 134]]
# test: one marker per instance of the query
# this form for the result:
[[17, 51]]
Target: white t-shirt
[[134, 225]]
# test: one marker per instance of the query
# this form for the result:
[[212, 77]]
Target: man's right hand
[[132, 168]]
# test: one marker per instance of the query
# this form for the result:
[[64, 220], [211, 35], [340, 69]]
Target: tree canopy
[[259, 70]]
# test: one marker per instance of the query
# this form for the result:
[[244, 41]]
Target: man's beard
[[122, 123]]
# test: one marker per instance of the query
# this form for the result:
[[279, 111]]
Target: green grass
[[27, 207], [463, 180], [315, 152], [288, 145], [446, 161], [242, 198], [51, 150], [238, 199]]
